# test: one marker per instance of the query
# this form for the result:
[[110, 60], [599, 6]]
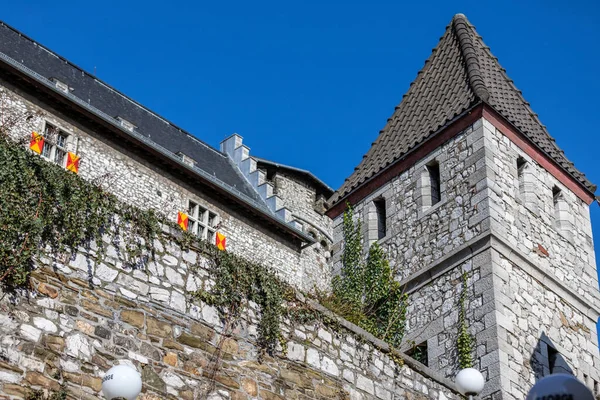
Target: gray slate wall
[[532, 275]]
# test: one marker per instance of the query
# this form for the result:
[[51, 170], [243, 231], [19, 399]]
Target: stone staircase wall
[[240, 154]]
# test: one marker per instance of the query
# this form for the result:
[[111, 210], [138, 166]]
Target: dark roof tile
[[460, 72], [108, 100]]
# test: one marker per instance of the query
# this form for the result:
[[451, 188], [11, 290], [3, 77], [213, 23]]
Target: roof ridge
[[527, 105], [102, 82], [461, 26]]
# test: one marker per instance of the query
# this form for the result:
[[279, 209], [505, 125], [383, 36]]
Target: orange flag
[[73, 162], [36, 143], [182, 220], [221, 241]]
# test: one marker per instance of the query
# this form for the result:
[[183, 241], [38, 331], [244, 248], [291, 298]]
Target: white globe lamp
[[469, 382], [121, 381], [560, 386]]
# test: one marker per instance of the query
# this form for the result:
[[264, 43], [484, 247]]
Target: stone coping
[[490, 239], [381, 345]]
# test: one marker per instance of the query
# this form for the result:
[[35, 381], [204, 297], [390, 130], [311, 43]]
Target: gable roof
[[103, 97], [22, 57], [460, 73]]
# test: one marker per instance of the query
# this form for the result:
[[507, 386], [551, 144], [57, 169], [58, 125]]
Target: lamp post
[[121, 382], [469, 382]]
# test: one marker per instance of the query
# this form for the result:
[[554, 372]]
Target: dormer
[[126, 124], [186, 159], [60, 85]]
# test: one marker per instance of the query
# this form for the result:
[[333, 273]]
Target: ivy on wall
[[365, 292], [44, 208], [43, 205], [238, 280], [465, 340]]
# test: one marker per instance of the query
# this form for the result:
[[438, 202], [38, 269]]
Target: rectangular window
[[55, 144], [434, 182], [202, 222], [381, 218]]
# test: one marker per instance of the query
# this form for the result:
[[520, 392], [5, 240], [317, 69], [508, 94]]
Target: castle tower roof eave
[[460, 73]]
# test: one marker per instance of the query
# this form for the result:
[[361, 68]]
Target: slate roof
[[460, 73], [100, 95]]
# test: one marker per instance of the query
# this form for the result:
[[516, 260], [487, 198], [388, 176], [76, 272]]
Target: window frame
[[434, 175], [381, 215], [202, 221], [51, 142]]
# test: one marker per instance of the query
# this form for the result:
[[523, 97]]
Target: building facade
[[463, 183]]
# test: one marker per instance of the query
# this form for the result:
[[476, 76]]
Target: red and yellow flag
[[182, 220], [73, 162], [221, 241], [36, 143]]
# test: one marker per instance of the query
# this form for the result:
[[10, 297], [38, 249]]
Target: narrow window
[[419, 353], [556, 194], [556, 200], [434, 182], [553, 356], [381, 218], [521, 174]]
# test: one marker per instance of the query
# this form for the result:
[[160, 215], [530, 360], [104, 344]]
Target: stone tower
[[464, 182]]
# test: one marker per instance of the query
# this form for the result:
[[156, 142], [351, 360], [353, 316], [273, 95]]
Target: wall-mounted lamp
[[121, 381], [469, 382]]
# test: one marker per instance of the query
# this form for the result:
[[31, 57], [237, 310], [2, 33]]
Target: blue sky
[[311, 83]]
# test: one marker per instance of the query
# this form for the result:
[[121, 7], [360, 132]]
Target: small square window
[[201, 221], [61, 140], [193, 209]]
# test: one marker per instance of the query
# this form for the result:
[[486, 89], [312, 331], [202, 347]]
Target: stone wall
[[301, 200], [137, 181], [433, 315], [533, 319], [528, 222], [545, 279], [84, 315], [547, 299], [418, 235], [431, 246]]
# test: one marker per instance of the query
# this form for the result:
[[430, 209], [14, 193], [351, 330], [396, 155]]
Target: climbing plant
[[238, 280], [44, 208], [365, 291], [465, 340], [43, 205]]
